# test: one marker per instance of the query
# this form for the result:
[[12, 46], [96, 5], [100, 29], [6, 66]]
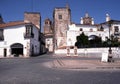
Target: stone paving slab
[[84, 64]]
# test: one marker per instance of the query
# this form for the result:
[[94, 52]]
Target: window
[[81, 29], [116, 28], [91, 30], [116, 31], [1, 35], [60, 16], [46, 22], [29, 31], [101, 28]]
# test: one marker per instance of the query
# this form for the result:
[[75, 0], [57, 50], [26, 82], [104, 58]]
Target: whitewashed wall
[[74, 31], [50, 42], [15, 34], [91, 52], [85, 28], [35, 41], [12, 35]]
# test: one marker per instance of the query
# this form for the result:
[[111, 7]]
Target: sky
[[13, 10]]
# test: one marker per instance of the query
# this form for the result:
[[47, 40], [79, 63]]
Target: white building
[[101, 30], [19, 39], [48, 32], [89, 30]]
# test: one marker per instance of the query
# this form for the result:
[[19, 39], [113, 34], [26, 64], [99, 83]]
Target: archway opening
[[17, 49], [95, 41]]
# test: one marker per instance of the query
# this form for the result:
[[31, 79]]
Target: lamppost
[[109, 44]]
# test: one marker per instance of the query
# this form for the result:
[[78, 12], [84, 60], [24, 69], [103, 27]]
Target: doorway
[[5, 52], [17, 49]]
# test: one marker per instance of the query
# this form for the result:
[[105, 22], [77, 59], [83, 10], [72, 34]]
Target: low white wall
[[95, 52], [83, 50]]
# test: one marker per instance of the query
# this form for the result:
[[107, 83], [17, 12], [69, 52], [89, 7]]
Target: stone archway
[[95, 41], [16, 49]]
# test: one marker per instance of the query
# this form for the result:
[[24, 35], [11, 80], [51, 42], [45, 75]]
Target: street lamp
[[109, 44]]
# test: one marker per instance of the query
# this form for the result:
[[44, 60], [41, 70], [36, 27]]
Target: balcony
[[28, 35]]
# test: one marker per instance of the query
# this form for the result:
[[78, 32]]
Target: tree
[[82, 40]]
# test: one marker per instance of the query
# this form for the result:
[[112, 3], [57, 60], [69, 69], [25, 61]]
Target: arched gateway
[[16, 49]]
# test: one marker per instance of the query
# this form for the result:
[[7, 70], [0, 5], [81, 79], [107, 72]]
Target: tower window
[[60, 16], [46, 22]]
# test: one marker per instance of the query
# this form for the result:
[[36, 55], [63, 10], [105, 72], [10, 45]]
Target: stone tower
[[61, 20], [48, 26], [33, 17]]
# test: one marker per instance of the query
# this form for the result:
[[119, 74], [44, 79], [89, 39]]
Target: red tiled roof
[[9, 24]]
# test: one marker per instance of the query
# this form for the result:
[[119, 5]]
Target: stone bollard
[[68, 51], [75, 51]]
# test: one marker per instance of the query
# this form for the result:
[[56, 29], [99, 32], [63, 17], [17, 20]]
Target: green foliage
[[82, 40], [96, 42]]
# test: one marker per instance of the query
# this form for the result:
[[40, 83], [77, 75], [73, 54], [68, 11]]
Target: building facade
[[48, 32], [90, 31], [61, 20], [103, 30], [42, 44], [65, 31], [22, 38], [19, 39], [87, 26]]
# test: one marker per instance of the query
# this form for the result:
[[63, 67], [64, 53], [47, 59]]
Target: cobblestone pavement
[[38, 70], [83, 63]]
